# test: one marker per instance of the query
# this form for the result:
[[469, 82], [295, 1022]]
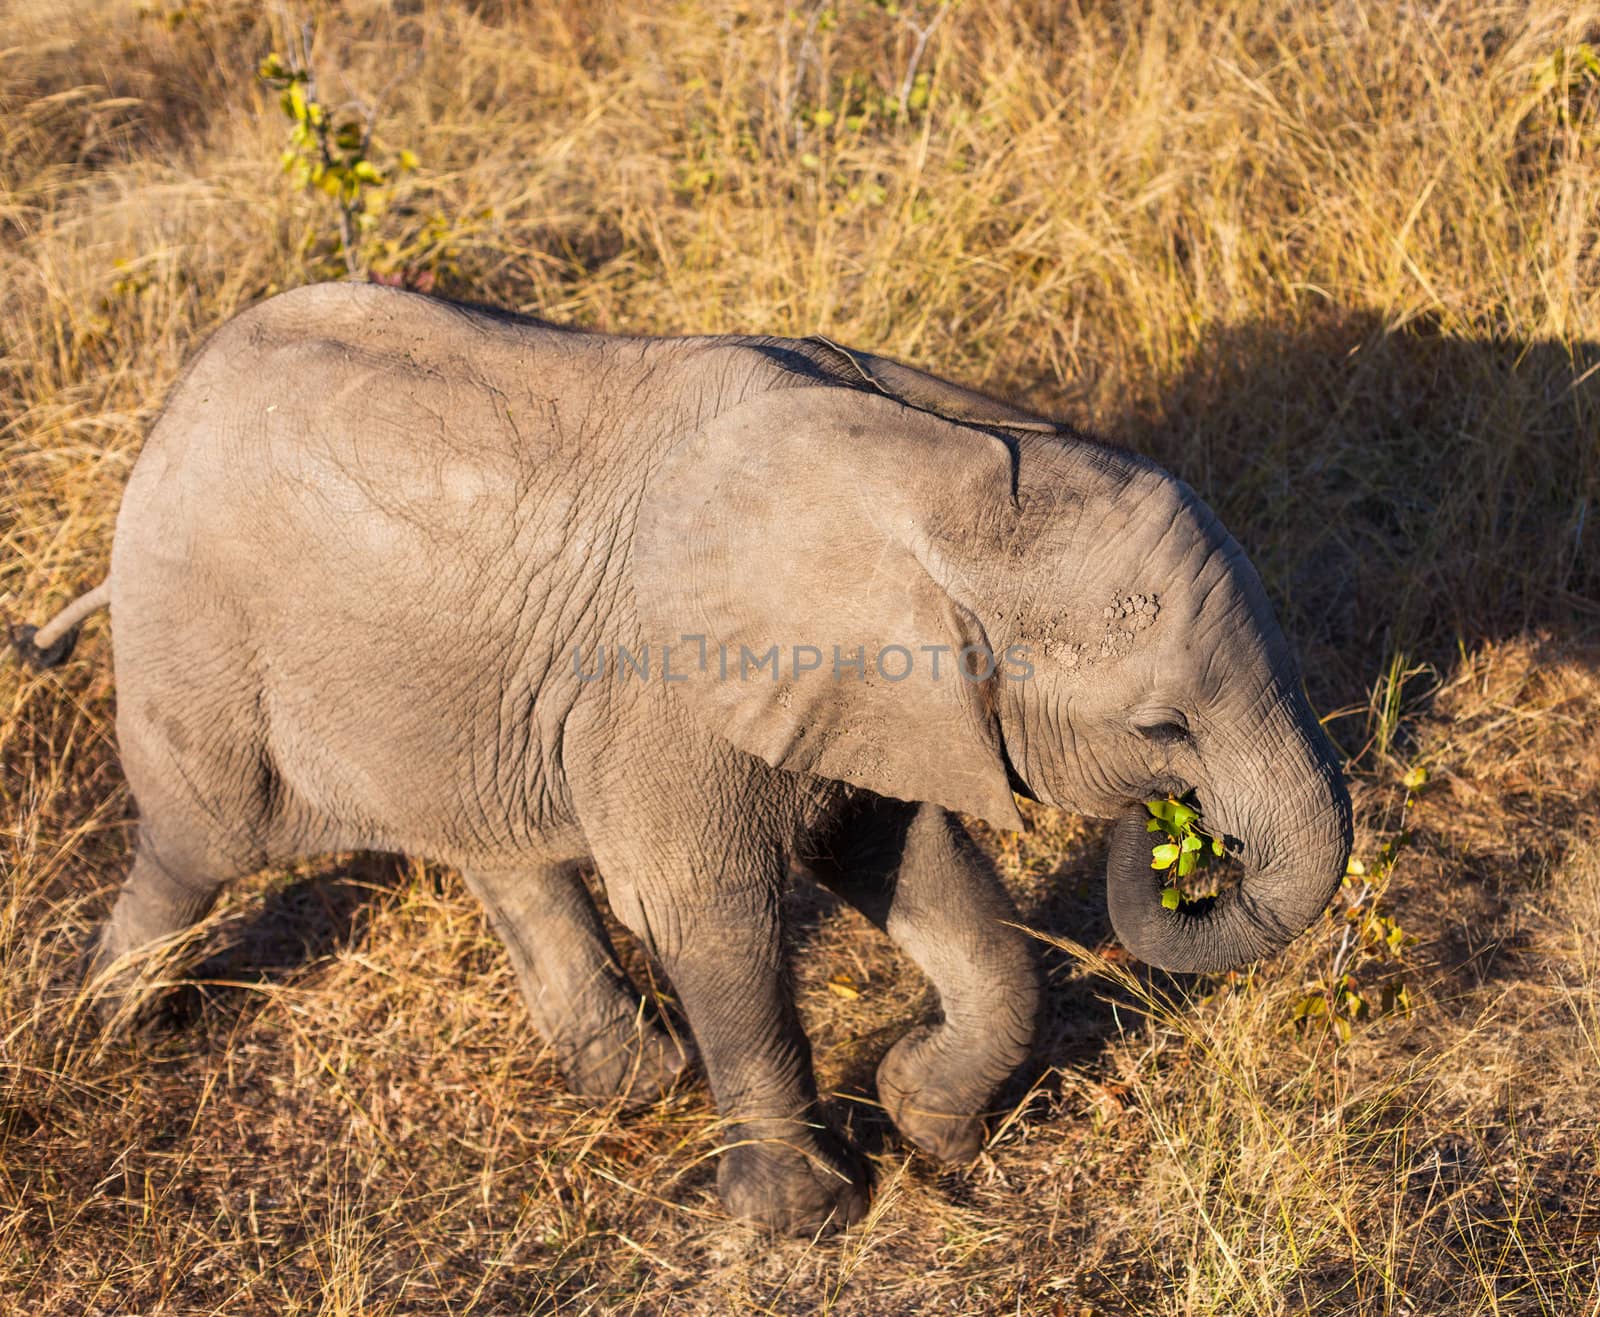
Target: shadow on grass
[[312, 916], [1400, 491]]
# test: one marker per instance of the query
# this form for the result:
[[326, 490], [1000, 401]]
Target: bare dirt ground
[[1334, 263]]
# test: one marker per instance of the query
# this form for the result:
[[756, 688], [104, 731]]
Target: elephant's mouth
[[1158, 787], [1214, 819], [1220, 877]]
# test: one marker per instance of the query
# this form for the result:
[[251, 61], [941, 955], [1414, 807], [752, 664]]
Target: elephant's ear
[[807, 529], [929, 393]]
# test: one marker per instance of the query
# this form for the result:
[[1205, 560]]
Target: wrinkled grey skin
[[356, 554]]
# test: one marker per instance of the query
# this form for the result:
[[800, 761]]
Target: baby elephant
[[401, 575]]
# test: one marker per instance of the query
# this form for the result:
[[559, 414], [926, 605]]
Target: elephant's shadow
[[323, 907], [1400, 490]]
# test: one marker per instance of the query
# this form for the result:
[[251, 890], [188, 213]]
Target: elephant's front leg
[[720, 939], [579, 997], [916, 873]]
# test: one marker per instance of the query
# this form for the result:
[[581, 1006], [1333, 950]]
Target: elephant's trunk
[[1295, 844]]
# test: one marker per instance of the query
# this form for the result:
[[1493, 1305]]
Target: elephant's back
[[377, 558]]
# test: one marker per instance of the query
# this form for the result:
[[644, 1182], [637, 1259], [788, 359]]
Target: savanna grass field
[[1335, 263]]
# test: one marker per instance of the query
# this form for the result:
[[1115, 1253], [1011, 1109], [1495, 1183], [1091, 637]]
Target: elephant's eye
[[1165, 728]]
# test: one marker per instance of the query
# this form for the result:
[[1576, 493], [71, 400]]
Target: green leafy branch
[[860, 97], [331, 150], [916, 85], [1562, 99], [1188, 847], [1569, 74]]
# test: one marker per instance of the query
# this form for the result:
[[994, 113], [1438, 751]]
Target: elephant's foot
[[920, 1088], [792, 1179], [637, 1062]]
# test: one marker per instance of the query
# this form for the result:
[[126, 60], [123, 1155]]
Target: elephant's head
[[1135, 652]]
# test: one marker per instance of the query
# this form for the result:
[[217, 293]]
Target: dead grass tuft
[[1334, 263]]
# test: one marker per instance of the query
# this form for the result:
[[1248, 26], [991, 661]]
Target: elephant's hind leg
[[166, 892], [202, 822], [914, 871], [194, 744], [581, 1001]]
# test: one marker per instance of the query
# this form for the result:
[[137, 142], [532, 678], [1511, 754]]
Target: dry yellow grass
[[1336, 263]]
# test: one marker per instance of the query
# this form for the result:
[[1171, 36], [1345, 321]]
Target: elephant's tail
[[51, 645]]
